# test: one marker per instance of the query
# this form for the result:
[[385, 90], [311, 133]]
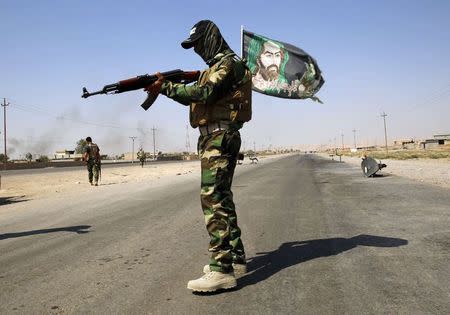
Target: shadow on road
[[264, 265], [13, 199], [77, 229], [381, 175]]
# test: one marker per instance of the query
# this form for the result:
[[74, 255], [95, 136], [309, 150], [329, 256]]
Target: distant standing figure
[[141, 156], [91, 155]]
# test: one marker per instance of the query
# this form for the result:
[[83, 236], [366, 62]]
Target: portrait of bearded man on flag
[[269, 64], [280, 69]]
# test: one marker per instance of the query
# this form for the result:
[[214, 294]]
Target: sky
[[375, 56]]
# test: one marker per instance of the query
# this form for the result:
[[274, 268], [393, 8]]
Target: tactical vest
[[235, 106]]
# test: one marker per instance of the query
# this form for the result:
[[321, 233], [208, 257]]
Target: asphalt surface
[[320, 239]]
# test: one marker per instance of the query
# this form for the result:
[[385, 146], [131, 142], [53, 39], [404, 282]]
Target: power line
[[433, 97], [36, 109], [42, 111]]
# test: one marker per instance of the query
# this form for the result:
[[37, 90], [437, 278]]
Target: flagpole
[[242, 41]]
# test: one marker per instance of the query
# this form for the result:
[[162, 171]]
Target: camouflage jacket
[[223, 92], [91, 152]]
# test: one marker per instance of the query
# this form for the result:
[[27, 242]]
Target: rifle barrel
[[86, 94], [142, 81]]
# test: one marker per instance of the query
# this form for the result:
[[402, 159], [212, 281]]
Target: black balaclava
[[207, 41]]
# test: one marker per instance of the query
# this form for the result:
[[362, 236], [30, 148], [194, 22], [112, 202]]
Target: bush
[[436, 155], [43, 158], [2, 158], [403, 154]]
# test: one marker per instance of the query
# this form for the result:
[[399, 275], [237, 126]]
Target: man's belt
[[213, 127]]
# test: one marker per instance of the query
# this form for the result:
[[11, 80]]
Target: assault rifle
[[142, 81]]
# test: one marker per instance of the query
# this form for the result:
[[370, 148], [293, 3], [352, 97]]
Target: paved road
[[320, 239]]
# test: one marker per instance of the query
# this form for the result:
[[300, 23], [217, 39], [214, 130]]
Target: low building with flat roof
[[66, 155]]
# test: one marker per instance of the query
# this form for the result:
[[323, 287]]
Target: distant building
[[436, 142], [442, 139], [128, 156], [367, 148], [67, 155], [405, 143]]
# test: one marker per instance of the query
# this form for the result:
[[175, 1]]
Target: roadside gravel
[[17, 187], [45, 186], [431, 171]]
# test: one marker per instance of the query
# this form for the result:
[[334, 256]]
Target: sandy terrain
[[40, 186], [37, 186], [431, 171]]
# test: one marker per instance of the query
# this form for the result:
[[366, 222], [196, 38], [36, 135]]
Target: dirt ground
[[36, 186], [43, 186], [430, 171], [69, 182]]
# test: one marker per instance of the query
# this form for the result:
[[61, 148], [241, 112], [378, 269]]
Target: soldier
[[91, 155], [220, 103], [141, 156]]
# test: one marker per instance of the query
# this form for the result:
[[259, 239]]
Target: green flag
[[280, 69]]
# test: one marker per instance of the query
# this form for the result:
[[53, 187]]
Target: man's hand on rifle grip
[[154, 88]]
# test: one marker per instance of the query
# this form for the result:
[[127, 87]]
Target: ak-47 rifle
[[142, 81]]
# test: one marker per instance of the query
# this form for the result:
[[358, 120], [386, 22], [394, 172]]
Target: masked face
[[270, 61], [209, 42]]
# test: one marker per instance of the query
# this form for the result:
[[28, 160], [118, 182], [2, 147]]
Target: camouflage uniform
[[93, 162], [141, 156], [220, 102]]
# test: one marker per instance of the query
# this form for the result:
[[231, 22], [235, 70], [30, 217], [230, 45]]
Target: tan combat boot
[[213, 281], [239, 269]]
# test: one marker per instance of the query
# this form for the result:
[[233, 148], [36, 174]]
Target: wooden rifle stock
[[143, 81]]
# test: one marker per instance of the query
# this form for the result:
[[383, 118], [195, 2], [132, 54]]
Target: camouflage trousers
[[93, 171], [218, 153]]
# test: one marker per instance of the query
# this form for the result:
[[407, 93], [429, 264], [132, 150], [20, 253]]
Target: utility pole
[[132, 152], [254, 147], [188, 144], [385, 131], [154, 143], [342, 135], [4, 130], [354, 138]]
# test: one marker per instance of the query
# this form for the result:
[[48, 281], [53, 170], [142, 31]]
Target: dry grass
[[402, 154]]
